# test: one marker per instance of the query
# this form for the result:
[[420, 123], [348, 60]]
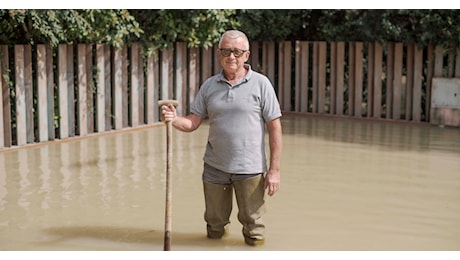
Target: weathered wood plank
[[5, 106], [124, 87], [389, 80], [2, 116], [370, 79], [377, 80], [304, 75], [117, 101], [397, 81], [206, 59], [71, 90], [167, 91], [429, 77], [281, 75], [82, 91], [351, 78], [135, 88], [409, 81], [100, 88], [141, 76], [315, 80], [322, 59], [340, 77], [333, 78], [50, 90], [181, 76], [217, 68], [63, 89], [149, 87], [417, 86], [156, 90], [438, 61], [193, 73], [108, 88], [42, 87], [268, 61], [285, 60], [297, 79], [151, 105], [28, 81], [20, 88], [358, 86], [254, 58], [90, 89], [2, 87]]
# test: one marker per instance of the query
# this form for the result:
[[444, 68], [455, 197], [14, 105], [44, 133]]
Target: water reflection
[[346, 185], [383, 134]]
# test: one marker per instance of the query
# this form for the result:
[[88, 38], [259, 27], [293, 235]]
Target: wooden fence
[[75, 90]]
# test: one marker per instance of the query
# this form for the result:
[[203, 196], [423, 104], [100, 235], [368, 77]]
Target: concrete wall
[[445, 102]]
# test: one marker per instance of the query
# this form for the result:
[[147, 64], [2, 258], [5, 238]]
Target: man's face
[[233, 53]]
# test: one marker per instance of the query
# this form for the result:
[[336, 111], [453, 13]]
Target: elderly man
[[239, 104]]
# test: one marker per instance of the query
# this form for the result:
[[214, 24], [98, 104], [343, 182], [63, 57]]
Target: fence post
[[135, 85], [181, 77], [100, 88], [377, 81], [118, 88], [82, 91], [5, 110], [21, 105], [42, 88]]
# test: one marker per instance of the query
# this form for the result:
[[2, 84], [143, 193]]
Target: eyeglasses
[[236, 52]]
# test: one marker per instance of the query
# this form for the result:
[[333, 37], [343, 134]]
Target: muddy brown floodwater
[[346, 185]]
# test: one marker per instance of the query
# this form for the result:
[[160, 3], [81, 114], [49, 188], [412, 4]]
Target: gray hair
[[234, 34]]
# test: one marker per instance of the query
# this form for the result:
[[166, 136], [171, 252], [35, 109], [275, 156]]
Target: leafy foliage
[[198, 28], [441, 27], [203, 27], [115, 27]]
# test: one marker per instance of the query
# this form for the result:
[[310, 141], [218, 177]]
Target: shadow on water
[[134, 235]]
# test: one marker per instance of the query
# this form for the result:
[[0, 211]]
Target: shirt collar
[[221, 76]]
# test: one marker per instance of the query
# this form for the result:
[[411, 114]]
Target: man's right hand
[[168, 113]]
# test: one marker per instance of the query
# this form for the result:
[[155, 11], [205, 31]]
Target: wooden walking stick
[[168, 205]]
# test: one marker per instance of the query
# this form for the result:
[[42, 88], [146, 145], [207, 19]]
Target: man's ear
[[248, 53]]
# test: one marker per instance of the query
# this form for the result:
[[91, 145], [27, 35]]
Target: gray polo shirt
[[237, 116]]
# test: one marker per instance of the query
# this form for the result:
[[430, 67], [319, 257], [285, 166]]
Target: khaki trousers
[[251, 206]]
